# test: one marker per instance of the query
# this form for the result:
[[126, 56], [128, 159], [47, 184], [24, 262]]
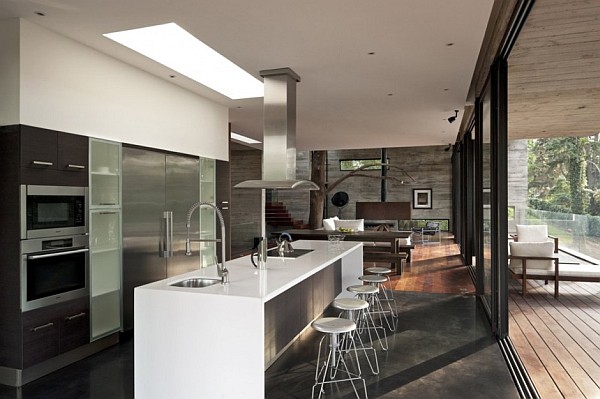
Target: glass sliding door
[[485, 189]]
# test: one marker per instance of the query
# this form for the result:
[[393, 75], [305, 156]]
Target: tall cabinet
[[105, 237]]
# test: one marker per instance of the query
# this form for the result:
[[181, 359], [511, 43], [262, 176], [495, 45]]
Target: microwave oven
[[52, 211]]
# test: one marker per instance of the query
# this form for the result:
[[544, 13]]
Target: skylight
[[243, 139], [175, 48]]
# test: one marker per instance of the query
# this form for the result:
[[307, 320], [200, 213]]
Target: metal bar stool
[[385, 272], [333, 327], [378, 281], [369, 293], [354, 309]]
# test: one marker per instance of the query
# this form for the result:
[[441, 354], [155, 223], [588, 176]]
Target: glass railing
[[579, 234]]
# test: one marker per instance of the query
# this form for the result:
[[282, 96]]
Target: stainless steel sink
[[196, 282]]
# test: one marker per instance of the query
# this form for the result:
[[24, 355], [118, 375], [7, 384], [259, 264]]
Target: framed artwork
[[422, 198]]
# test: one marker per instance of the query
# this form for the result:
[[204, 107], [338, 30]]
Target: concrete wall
[[518, 181], [430, 167], [66, 86], [245, 204]]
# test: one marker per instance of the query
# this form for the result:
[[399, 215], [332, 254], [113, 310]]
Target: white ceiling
[[400, 96]]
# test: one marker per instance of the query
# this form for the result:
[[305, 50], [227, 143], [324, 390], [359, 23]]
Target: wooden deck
[[558, 340]]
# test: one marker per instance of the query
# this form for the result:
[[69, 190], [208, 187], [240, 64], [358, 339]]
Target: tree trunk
[[317, 197]]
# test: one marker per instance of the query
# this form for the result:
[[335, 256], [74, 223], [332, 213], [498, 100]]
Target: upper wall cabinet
[[46, 156]]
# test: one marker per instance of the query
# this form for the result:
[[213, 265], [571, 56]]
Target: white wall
[[9, 72], [70, 87]]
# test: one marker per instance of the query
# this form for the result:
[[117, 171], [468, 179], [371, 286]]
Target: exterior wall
[[70, 87]]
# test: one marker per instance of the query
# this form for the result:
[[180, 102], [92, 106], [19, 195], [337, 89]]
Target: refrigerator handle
[[168, 242]]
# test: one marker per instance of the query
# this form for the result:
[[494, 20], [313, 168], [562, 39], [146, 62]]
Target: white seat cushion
[[545, 249], [532, 233]]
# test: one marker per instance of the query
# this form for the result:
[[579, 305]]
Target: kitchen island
[[217, 341]]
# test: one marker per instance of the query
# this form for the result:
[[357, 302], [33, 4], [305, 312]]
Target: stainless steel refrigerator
[[158, 190]]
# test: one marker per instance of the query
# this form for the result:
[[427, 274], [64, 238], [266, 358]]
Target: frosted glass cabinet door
[[105, 271], [105, 173]]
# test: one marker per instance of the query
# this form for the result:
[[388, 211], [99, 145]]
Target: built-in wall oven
[[51, 211], [53, 270]]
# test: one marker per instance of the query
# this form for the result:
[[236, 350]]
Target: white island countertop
[[210, 342], [281, 274]]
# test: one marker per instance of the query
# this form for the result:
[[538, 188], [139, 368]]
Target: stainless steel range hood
[[279, 140]]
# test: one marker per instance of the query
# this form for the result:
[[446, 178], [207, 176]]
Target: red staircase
[[276, 214]]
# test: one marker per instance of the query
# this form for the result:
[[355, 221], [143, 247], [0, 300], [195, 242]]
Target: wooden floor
[[436, 267], [557, 340]]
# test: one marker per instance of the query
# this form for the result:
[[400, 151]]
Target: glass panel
[[106, 313], [208, 218], [105, 173], [486, 196]]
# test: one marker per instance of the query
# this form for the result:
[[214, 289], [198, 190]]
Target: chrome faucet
[[221, 268]]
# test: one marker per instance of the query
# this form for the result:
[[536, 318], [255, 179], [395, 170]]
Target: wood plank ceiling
[[554, 71]]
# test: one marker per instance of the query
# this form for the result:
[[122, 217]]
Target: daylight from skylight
[[175, 48]]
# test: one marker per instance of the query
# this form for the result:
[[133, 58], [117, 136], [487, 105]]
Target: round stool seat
[[333, 325], [350, 304], [373, 278], [379, 270], [363, 289]]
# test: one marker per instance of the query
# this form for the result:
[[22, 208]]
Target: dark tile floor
[[441, 349]]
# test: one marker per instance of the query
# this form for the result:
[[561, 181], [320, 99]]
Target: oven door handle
[[42, 256]]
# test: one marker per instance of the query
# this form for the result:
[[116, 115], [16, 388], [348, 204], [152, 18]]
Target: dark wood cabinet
[[46, 155], [72, 153], [38, 148], [50, 331], [290, 312]]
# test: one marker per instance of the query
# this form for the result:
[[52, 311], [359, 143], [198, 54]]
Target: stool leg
[[368, 324], [373, 365], [377, 308], [330, 367], [388, 298]]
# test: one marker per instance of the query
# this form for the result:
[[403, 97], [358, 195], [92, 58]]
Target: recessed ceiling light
[[243, 139], [175, 48]]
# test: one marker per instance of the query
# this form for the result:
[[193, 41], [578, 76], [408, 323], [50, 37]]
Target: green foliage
[[563, 174]]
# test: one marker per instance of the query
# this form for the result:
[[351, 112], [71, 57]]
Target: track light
[[453, 118], [449, 146]]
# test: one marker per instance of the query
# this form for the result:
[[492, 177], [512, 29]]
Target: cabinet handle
[[224, 208], [43, 327], [224, 202], [43, 163], [78, 315], [107, 213], [75, 166], [107, 203]]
